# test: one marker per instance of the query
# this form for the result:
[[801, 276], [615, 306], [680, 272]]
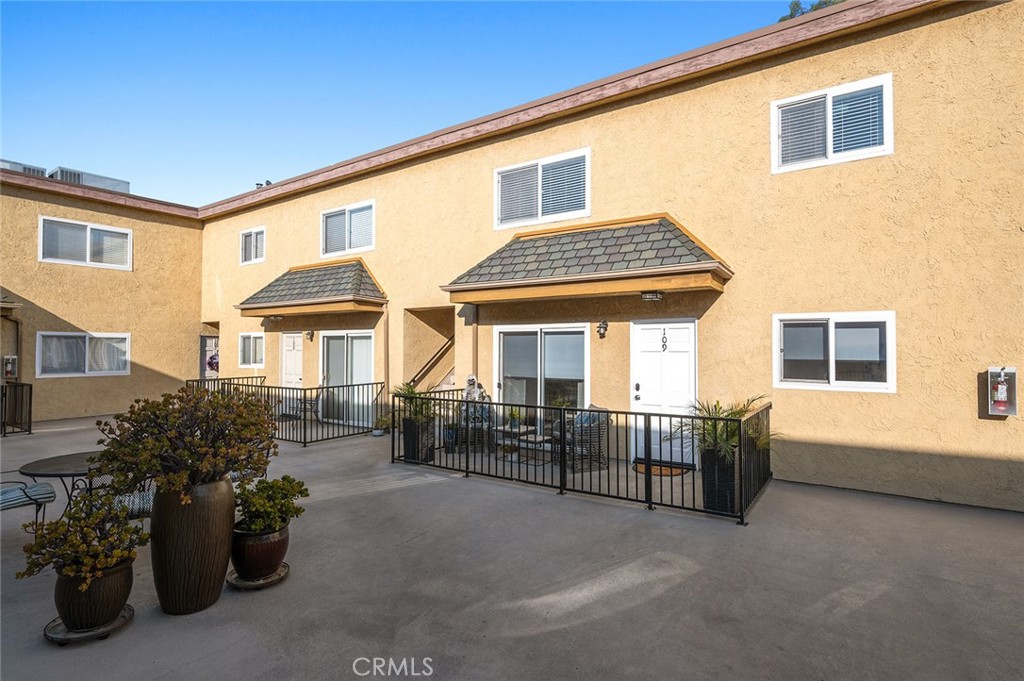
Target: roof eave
[[365, 300], [718, 267]]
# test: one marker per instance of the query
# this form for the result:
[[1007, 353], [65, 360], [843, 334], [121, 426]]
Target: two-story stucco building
[[827, 211]]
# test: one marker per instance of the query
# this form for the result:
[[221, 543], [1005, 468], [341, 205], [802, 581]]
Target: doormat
[[660, 471]]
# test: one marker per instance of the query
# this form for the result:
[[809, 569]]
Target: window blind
[[802, 131], [334, 232], [518, 194], [62, 355], [108, 248], [258, 241], [564, 186], [64, 241], [360, 227], [108, 354], [857, 120]]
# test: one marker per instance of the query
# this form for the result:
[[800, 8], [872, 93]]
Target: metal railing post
[[393, 433], [562, 453], [648, 483], [739, 462]]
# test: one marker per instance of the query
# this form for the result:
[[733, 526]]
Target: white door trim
[[632, 344]]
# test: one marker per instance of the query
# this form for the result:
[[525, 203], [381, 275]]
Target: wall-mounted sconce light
[[602, 328], [309, 336], [652, 296]]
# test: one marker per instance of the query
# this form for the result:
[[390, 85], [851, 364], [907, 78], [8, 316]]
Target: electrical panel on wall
[[1002, 391]]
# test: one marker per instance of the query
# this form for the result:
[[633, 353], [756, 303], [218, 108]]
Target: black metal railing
[[307, 415], [216, 383], [707, 464], [15, 408]]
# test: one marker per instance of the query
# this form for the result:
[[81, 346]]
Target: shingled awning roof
[[651, 253], [341, 286]]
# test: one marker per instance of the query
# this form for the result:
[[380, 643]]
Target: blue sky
[[195, 102]]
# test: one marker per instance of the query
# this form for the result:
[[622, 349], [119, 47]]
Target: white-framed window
[[349, 229], [851, 351], [253, 245], [844, 123], [546, 364], [250, 350], [81, 243], [545, 190], [62, 354]]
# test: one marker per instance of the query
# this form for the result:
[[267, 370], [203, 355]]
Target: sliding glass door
[[542, 366], [346, 359]]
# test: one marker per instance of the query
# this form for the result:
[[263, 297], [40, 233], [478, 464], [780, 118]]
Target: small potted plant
[[513, 418], [381, 425], [260, 540], [92, 549], [190, 444], [417, 427]]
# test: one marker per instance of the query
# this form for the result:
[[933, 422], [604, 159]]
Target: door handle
[[636, 397]]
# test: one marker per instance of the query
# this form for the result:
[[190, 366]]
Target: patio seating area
[[492, 580]]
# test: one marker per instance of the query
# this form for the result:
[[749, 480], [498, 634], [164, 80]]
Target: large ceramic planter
[[719, 481], [191, 546], [256, 555], [418, 440], [98, 605]]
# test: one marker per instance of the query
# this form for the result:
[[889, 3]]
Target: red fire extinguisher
[[1000, 393]]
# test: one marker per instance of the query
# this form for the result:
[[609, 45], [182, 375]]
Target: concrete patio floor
[[495, 580]]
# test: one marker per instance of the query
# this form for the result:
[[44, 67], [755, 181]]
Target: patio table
[[71, 469]]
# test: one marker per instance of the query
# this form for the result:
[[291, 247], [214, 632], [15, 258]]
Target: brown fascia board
[[715, 266], [314, 301], [46, 184], [810, 28]]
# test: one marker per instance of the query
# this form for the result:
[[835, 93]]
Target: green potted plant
[[190, 444], [381, 424], [513, 418], [92, 549], [417, 424], [260, 540], [716, 434]]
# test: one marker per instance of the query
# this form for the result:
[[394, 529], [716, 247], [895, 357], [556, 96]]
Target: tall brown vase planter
[[191, 546]]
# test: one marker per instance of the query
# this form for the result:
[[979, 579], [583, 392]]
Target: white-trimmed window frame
[[540, 329], [88, 240], [542, 219], [888, 134], [832, 318], [241, 245], [372, 203], [85, 373], [246, 337]]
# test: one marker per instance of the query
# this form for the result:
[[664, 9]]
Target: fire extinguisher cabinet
[[1002, 391]]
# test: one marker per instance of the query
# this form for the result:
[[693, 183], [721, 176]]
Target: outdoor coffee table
[[72, 469]]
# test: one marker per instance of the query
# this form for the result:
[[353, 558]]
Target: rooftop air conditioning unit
[[22, 168], [89, 179]]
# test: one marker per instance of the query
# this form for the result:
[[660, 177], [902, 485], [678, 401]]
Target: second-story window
[[844, 123], [81, 243], [347, 230], [253, 244], [545, 190]]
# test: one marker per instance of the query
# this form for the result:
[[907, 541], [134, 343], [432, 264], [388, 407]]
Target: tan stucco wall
[[932, 232], [157, 301]]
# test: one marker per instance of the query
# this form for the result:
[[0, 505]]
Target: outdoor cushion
[[139, 503], [36, 494]]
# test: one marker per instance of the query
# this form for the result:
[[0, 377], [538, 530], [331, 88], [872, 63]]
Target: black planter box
[[719, 482], [418, 440]]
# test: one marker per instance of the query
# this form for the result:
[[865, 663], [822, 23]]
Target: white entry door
[[663, 380], [291, 360]]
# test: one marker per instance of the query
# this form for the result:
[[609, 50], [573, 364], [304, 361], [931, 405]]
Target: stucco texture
[[932, 232], [157, 302]]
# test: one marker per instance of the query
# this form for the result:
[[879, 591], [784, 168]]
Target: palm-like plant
[[716, 427]]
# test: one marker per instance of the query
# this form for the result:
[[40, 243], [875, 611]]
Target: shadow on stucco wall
[[991, 481]]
